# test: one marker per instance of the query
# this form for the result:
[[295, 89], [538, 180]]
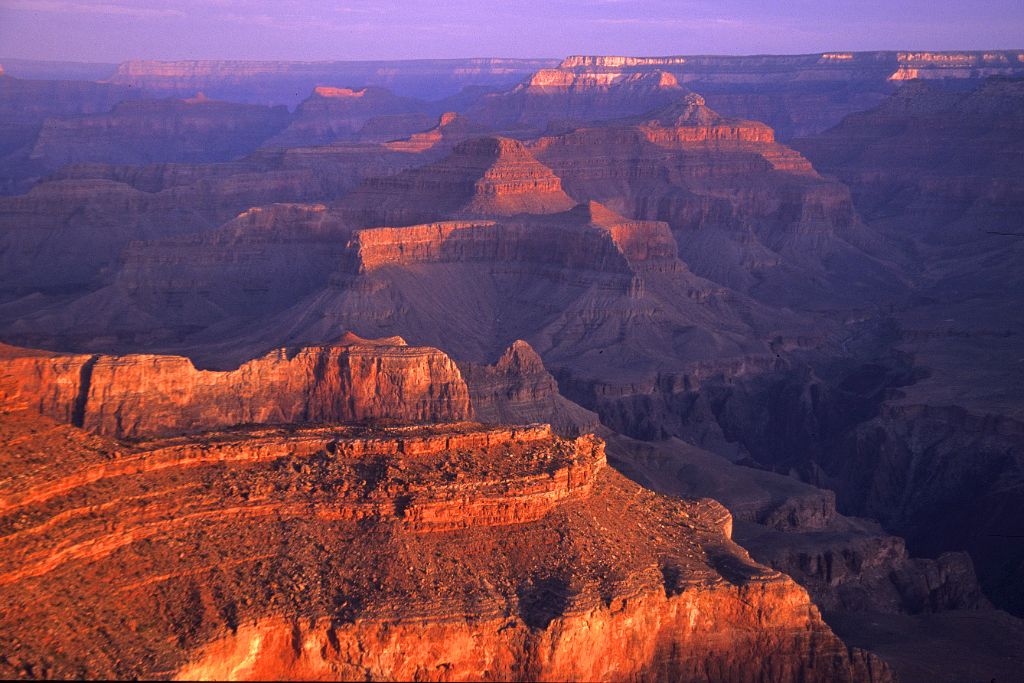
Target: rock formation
[[332, 114], [553, 98], [191, 130], [798, 94], [748, 213], [518, 389], [26, 105], [135, 396], [451, 128], [210, 480], [65, 235], [446, 551], [287, 82], [937, 174], [490, 176]]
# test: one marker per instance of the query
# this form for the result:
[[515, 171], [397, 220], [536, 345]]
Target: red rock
[[445, 552], [747, 212], [558, 98], [519, 390], [799, 95], [588, 236], [489, 176], [450, 129], [140, 395]]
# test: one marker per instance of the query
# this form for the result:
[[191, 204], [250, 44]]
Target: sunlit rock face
[[435, 552], [488, 176], [212, 478], [145, 395], [518, 389], [558, 98]]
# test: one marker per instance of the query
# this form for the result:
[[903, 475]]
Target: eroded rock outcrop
[[192, 130], [518, 389], [133, 396], [490, 176], [799, 94], [438, 552], [451, 128], [558, 98], [331, 114], [748, 213], [588, 237]]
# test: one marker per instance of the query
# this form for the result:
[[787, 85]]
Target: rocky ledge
[[353, 380], [430, 553]]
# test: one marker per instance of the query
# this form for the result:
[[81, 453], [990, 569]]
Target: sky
[[116, 30]]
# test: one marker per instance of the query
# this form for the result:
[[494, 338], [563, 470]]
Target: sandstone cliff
[[589, 237], [490, 176], [444, 552], [518, 389], [557, 98], [800, 94], [747, 212], [134, 396]]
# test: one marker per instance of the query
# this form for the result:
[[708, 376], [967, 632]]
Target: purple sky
[[114, 30]]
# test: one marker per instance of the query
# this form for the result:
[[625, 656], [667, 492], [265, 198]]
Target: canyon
[[518, 550], [602, 368]]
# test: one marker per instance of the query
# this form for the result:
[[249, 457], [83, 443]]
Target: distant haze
[[115, 30]]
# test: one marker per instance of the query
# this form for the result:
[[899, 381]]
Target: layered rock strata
[[490, 176], [192, 130], [558, 98], [518, 389], [142, 395], [748, 213], [799, 94], [589, 237], [439, 552]]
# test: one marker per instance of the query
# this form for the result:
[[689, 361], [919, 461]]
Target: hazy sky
[[113, 30]]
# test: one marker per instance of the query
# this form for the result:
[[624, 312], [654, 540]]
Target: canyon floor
[[683, 368]]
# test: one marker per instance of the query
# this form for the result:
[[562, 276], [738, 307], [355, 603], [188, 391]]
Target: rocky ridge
[[489, 176], [191, 130], [440, 551], [145, 395]]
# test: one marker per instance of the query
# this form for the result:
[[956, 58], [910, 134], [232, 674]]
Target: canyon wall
[[440, 552], [193, 130], [140, 395], [285, 82]]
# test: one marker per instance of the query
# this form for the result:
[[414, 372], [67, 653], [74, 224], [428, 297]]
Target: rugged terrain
[[445, 551], [789, 284]]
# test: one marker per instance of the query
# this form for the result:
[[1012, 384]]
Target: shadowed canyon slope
[[460, 551], [940, 173]]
